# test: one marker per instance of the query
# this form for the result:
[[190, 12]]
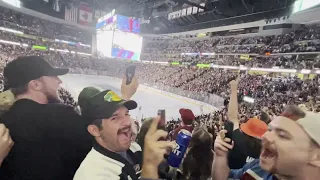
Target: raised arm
[[233, 110]]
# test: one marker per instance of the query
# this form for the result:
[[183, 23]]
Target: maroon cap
[[187, 116]]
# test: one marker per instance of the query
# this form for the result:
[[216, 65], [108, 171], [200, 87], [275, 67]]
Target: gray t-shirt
[[125, 155]]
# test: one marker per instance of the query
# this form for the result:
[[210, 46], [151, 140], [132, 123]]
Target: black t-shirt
[[51, 140], [242, 152]]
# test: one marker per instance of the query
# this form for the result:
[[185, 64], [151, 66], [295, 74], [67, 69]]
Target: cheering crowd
[[99, 142], [94, 137], [267, 91]]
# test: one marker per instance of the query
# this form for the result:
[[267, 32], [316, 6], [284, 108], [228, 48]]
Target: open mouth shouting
[[268, 154], [125, 134]]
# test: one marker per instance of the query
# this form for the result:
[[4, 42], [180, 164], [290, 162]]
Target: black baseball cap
[[26, 68], [104, 104]]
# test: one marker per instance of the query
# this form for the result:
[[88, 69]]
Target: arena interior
[[241, 79]]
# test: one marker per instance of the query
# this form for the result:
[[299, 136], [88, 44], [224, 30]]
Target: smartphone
[[162, 114], [130, 72], [228, 125]]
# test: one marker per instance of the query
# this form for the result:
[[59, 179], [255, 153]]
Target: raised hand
[[127, 91], [154, 150], [221, 145], [6, 142], [234, 83]]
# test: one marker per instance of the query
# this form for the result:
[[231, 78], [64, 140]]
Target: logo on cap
[[112, 97]]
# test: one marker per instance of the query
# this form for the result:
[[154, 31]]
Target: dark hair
[[137, 124], [252, 144], [19, 90], [98, 123], [199, 158], [143, 131], [293, 112]]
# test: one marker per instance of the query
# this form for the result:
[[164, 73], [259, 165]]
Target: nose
[[58, 80], [126, 121], [268, 137]]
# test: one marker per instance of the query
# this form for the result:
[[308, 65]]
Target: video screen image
[[104, 43], [125, 54], [126, 45], [128, 24], [106, 22]]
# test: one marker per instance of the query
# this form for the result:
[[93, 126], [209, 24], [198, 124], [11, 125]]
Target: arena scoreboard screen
[[118, 37], [300, 5]]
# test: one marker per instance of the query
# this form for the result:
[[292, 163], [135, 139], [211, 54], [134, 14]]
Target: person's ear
[[94, 130], [35, 85], [315, 158]]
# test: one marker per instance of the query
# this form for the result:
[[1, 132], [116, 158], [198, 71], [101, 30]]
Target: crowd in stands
[[267, 91], [32, 31], [40, 27], [305, 39], [45, 132]]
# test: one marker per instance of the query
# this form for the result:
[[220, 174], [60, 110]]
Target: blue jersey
[[252, 170]]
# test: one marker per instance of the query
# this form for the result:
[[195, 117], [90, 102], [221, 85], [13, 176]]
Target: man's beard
[[53, 99]]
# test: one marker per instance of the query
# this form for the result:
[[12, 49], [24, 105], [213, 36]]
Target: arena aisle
[[150, 101]]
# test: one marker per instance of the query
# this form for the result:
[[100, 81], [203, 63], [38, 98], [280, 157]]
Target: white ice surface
[[150, 101]]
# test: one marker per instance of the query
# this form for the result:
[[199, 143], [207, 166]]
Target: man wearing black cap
[[50, 139], [113, 155]]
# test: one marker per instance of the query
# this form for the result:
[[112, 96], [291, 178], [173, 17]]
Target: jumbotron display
[[118, 37]]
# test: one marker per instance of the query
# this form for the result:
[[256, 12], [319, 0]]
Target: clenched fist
[[234, 83], [6, 142]]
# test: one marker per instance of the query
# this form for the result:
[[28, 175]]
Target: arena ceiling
[[220, 8], [137, 8], [216, 9], [157, 10]]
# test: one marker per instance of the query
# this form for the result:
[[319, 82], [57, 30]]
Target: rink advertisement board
[[118, 37]]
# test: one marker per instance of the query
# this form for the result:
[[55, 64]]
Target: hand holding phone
[[130, 72], [129, 83], [228, 125], [162, 114]]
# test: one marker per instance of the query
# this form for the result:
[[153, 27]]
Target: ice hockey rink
[[149, 100]]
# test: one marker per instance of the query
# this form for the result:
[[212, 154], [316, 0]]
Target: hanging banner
[[85, 14]]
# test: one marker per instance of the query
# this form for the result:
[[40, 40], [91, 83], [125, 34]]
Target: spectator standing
[[290, 150], [246, 137], [114, 155], [247, 143], [196, 165], [50, 139], [187, 117]]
